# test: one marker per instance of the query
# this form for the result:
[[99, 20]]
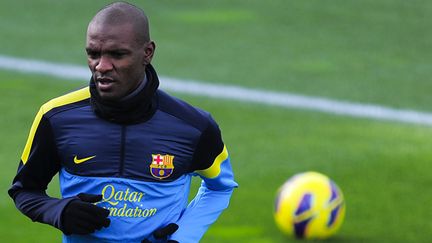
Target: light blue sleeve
[[212, 198]]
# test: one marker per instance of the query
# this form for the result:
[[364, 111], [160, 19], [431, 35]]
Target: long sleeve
[[39, 163], [215, 192]]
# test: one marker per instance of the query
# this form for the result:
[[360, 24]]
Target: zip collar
[[138, 108]]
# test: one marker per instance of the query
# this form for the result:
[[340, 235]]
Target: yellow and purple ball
[[309, 205]]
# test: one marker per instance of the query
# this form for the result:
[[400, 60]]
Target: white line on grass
[[281, 99]]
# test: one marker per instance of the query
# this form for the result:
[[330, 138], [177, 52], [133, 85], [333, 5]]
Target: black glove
[[82, 217], [162, 234]]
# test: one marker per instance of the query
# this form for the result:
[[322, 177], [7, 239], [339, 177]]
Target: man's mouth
[[104, 83]]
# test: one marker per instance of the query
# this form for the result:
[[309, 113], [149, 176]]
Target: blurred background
[[367, 52]]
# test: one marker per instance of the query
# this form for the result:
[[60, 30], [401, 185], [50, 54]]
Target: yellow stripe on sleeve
[[72, 97], [26, 152], [75, 96], [214, 170]]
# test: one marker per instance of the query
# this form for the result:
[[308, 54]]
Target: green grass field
[[363, 51]]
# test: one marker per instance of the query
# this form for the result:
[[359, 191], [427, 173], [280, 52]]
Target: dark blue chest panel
[[160, 149]]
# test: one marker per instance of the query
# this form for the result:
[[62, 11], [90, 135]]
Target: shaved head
[[122, 13], [118, 49]]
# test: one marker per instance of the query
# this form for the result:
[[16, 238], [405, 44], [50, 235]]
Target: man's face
[[116, 59]]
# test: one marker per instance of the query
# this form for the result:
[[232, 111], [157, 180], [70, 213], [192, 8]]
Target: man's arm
[[39, 163], [216, 188]]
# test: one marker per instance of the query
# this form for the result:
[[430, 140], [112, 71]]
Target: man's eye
[[118, 55], [93, 54]]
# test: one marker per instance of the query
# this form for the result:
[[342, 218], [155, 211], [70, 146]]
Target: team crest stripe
[[214, 170], [162, 166]]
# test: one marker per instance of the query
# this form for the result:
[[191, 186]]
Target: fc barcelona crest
[[162, 165]]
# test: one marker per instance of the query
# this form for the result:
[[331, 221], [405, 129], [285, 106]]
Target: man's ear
[[149, 50]]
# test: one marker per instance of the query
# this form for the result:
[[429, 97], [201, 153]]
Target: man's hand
[[160, 235], [82, 217]]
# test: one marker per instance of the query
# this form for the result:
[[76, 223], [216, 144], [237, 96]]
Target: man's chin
[[109, 96]]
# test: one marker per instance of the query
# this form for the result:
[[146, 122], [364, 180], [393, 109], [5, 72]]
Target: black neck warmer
[[138, 108]]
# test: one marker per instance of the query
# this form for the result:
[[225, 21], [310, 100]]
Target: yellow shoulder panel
[[214, 170], [72, 97]]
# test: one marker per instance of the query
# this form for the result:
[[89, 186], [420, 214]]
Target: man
[[125, 150]]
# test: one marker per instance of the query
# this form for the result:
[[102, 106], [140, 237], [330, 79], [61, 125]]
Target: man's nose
[[104, 65]]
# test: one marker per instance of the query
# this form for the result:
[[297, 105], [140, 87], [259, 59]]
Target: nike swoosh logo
[[79, 161]]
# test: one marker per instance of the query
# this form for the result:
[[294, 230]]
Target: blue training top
[[143, 170]]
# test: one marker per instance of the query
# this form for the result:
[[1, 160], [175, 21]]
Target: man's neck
[[137, 90]]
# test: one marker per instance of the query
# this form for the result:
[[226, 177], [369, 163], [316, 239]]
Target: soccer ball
[[309, 205]]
